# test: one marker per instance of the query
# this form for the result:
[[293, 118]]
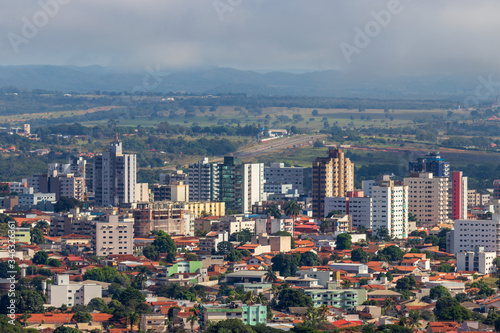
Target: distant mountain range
[[227, 80]]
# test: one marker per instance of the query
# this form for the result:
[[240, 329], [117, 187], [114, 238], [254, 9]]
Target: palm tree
[[270, 275], [133, 318], [191, 320], [312, 317], [273, 210], [261, 299], [414, 319], [42, 225], [249, 298], [323, 311], [25, 316], [292, 209], [143, 275]]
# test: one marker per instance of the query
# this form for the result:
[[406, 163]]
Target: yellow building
[[333, 176], [23, 235], [211, 208]]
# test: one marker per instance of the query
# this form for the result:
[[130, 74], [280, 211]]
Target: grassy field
[[340, 117]]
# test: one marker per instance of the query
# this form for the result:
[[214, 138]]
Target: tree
[[309, 259], [333, 213], [54, 262], [65, 204], [443, 303], [406, 283], [414, 319], [37, 236], [286, 264], [274, 211], [445, 268], [43, 226], [25, 301], [191, 257], [40, 258], [438, 292], [393, 253], [163, 243], [106, 274], [343, 242], [293, 298], [82, 317], [393, 329], [5, 268], [150, 252], [223, 248], [292, 208], [229, 326], [192, 319], [64, 329], [455, 313], [132, 318], [98, 304], [234, 256], [129, 296], [359, 255], [270, 275]]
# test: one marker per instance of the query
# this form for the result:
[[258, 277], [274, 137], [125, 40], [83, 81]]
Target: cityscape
[[231, 166]]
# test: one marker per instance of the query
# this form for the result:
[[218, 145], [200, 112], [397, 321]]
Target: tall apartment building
[[355, 204], [277, 173], [253, 185], [390, 208], [203, 180], [432, 163], [428, 198], [459, 195], [113, 235], [76, 167], [333, 176], [114, 177], [62, 185], [142, 192], [468, 234], [241, 184], [166, 216]]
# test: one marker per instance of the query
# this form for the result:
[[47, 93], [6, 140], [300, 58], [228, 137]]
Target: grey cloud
[[427, 36]]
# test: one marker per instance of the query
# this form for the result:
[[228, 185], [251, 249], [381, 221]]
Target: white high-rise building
[[468, 234], [428, 198], [203, 181], [277, 173], [390, 208], [253, 185], [114, 177]]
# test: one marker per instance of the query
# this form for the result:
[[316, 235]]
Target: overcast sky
[[422, 36]]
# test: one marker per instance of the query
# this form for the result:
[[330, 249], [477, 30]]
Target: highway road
[[279, 145]]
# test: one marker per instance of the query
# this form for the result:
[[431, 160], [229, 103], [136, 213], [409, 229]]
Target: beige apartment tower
[[333, 176], [428, 198]]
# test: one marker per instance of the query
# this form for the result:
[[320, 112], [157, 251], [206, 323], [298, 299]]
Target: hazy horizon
[[371, 37]]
